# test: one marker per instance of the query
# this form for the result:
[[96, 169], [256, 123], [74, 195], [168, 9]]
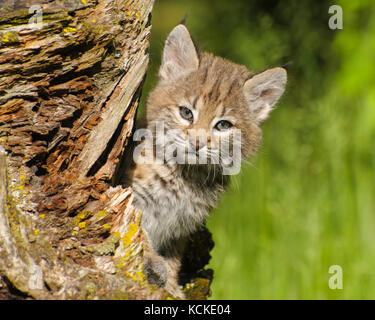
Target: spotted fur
[[177, 198]]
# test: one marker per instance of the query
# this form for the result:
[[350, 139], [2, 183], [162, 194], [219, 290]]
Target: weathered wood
[[69, 91]]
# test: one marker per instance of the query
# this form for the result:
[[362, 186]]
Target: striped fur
[[177, 198]]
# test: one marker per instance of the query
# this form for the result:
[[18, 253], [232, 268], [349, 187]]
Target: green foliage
[[307, 201]]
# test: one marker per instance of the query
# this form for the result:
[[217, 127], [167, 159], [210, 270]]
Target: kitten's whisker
[[213, 180], [236, 184], [251, 164], [208, 175]]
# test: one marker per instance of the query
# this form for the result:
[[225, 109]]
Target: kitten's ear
[[179, 56], [263, 90]]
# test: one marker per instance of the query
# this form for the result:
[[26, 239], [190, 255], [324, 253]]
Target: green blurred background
[[307, 201]]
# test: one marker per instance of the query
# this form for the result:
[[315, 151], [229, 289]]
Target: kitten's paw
[[156, 271]]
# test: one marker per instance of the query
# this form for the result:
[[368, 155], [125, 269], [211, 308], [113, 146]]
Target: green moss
[[198, 289], [105, 248], [90, 287], [122, 295], [15, 222]]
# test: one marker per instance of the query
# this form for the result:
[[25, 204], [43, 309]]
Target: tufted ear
[[179, 56], [263, 90]]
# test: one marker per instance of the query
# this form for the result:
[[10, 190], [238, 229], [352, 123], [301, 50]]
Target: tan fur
[[219, 83], [176, 198]]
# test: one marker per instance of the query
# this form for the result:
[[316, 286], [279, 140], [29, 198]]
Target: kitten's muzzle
[[196, 144]]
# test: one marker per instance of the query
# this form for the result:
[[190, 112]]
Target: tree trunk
[[69, 90]]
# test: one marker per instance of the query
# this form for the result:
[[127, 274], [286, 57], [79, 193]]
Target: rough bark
[[69, 91]]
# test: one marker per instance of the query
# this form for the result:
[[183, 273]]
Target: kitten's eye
[[186, 113], [223, 125]]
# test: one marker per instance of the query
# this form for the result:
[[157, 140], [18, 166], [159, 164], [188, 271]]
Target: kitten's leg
[[173, 266], [155, 268], [163, 269]]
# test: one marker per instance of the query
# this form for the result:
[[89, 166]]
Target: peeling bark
[[69, 92]]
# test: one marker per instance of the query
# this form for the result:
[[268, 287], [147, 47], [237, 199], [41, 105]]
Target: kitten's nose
[[197, 144]]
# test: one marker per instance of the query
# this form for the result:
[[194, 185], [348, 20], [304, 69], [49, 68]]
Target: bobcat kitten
[[202, 100]]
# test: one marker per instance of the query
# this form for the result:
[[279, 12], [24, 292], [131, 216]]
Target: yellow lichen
[[140, 276], [137, 276], [125, 256], [132, 276], [10, 36], [69, 29], [117, 235], [101, 214], [82, 225], [128, 236], [82, 216], [106, 227]]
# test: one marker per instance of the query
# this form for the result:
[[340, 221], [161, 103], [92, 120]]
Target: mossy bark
[[69, 90]]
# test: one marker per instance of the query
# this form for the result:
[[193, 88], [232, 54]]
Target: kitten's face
[[207, 101]]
